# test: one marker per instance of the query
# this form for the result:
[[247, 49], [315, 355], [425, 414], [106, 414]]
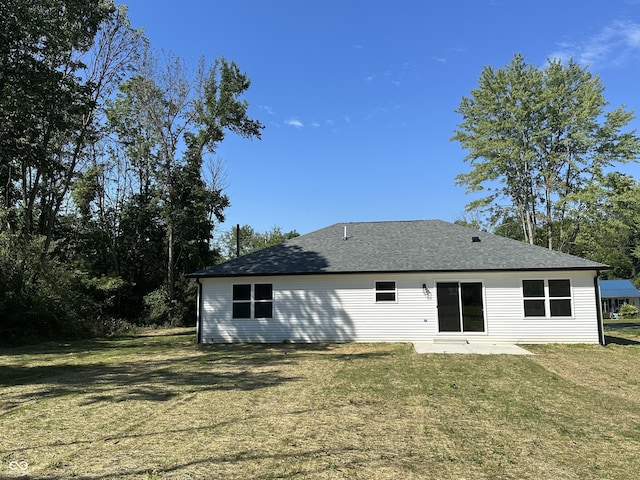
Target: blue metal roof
[[618, 289]]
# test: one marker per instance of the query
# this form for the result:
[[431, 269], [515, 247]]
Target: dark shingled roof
[[403, 246]]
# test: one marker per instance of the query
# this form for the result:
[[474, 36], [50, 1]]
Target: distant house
[[615, 293], [401, 281]]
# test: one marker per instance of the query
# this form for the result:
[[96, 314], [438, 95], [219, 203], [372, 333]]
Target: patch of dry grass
[[158, 406]]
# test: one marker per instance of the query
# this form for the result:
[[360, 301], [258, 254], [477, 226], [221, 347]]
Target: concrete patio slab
[[473, 348]]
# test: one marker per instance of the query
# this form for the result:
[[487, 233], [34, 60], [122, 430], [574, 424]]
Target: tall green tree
[[612, 225], [169, 120], [59, 59], [536, 139]]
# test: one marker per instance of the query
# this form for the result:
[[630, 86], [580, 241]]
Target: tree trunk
[[170, 265]]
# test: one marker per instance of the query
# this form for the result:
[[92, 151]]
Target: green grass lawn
[[156, 405], [623, 326]]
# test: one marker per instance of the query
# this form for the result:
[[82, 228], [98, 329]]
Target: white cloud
[[315, 124], [294, 122], [615, 45], [267, 109]]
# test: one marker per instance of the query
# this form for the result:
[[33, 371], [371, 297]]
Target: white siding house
[[398, 282]]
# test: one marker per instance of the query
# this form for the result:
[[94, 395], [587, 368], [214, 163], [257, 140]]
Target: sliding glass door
[[460, 307]]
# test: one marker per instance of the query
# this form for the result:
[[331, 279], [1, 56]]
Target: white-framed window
[[241, 301], [547, 298], [263, 300], [560, 298], [252, 301], [385, 291]]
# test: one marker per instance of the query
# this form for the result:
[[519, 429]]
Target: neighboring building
[[615, 293], [425, 280]]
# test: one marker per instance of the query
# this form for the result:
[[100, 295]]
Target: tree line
[[109, 191]]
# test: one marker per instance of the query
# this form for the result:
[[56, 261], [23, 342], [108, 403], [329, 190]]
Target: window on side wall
[[560, 298], [553, 296], [252, 301], [385, 291], [534, 298], [242, 301], [263, 300]]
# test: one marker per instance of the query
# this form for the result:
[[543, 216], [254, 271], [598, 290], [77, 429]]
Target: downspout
[[199, 312], [596, 285]]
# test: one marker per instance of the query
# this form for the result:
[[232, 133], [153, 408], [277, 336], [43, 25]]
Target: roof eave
[[595, 268]]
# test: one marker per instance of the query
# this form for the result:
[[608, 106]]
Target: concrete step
[[453, 340]]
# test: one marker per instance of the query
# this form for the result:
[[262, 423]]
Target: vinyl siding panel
[[343, 308], [505, 309]]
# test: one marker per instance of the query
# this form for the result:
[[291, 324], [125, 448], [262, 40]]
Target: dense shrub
[[627, 310]]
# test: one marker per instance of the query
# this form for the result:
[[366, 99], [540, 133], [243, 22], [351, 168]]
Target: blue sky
[[358, 97]]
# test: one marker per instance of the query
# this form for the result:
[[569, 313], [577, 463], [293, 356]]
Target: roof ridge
[[385, 221]]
